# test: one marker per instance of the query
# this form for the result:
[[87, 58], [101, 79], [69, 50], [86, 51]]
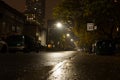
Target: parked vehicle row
[[21, 43], [104, 47]]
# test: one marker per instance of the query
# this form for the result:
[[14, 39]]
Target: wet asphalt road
[[31, 66], [64, 65], [89, 67]]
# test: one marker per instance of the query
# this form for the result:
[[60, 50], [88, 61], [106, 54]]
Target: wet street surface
[[64, 65], [31, 66], [89, 67]]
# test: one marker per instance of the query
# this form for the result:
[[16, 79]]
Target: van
[[21, 43]]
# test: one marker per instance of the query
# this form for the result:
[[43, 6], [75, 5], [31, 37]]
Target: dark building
[[14, 22], [35, 12], [11, 20]]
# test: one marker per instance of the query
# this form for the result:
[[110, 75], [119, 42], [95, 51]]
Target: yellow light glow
[[68, 35], [71, 40], [39, 38], [59, 25], [49, 46]]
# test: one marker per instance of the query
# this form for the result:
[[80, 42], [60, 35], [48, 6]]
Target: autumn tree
[[103, 13]]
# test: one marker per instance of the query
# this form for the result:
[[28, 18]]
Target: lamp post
[[68, 35], [56, 41], [50, 31], [71, 40], [59, 25]]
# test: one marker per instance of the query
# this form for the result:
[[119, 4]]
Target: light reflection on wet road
[[64, 65], [89, 67], [31, 66], [53, 58]]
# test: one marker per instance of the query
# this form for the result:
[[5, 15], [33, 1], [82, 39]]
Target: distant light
[[117, 29], [23, 37], [35, 8], [67, 34], [49, 46], [37, 34], [39, 38], [71, 40], [59, 25], [95, 27]]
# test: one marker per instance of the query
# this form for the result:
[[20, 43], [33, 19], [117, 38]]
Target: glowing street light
[[56, 26], [59, 25], [68, 35], [71, 40], [117, 29]]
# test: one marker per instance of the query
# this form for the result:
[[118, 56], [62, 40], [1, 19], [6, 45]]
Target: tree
[[103, 13], [73, 12], [69, 10]]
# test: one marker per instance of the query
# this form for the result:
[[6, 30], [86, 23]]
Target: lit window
[[117, 29], [35, 8]]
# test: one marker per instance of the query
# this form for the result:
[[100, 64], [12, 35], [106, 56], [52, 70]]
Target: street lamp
[[68, 35], [117, 29], [54, 27], [71, 40], [59, 25]]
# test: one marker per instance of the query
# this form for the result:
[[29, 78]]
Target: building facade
[[11, 20], [35, 12], [15, 22]]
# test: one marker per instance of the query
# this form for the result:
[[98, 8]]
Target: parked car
[[21, 43], [3, 46], [104, 47]]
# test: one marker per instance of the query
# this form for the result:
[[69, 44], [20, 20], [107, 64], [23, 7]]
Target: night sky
[[17, 4], [20, 6], [50, 4]]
